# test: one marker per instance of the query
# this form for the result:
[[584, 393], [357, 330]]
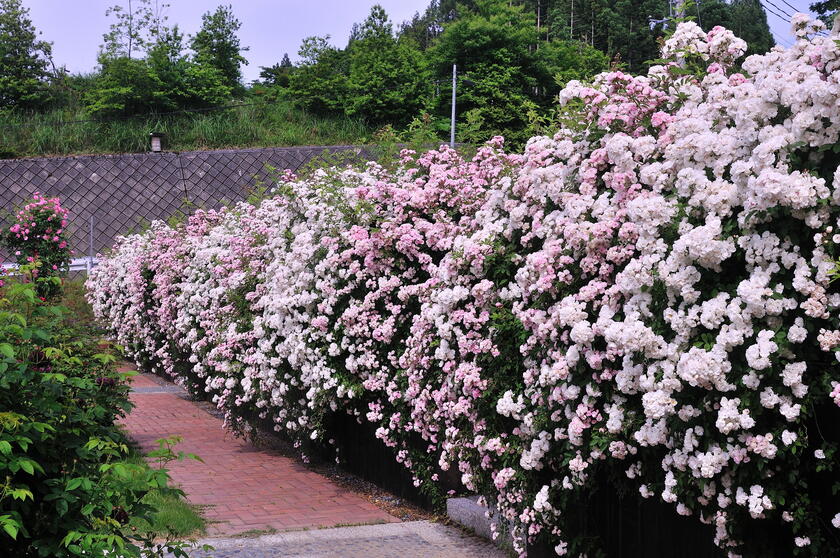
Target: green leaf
[[5, 447], [7, 350], [22, 494], [11, 529]]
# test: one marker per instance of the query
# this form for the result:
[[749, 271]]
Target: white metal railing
[[76, 264]]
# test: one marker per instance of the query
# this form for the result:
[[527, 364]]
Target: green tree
[[492, 46], [388, 80], [125, 86], [277, 75], [165, 80], [137, 23], [561, 61], [185, 84], [23, 59], [425, 28], [319, 83], [629, 31], [216, 44], [511, 71], [826, 10]]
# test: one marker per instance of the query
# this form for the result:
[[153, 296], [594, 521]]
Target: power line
[[784, 41], [785, 19], [779, 9], [794, 8], [766, 9]]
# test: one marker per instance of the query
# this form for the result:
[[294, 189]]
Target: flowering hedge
[[648, 291]]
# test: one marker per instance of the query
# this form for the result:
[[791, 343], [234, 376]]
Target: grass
[[263, 125], [175, 518], [80, 315]]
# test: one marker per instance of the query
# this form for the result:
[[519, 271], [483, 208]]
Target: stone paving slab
[[414, 539], [241, 487]]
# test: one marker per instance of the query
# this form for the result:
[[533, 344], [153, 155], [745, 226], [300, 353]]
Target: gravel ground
[[414, 539]]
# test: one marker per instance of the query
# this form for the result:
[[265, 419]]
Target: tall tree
[[492, 45], [217, 44], [136, 25], [319, 83], [629, 31], [23, 58], [165, 79], [388, 80], [425, 28], [511, 72], [748, 20]]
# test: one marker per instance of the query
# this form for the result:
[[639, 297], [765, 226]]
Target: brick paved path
[[414, 539], [244, 488]]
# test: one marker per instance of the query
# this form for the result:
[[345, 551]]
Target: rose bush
[[38, 237], [646, 292]]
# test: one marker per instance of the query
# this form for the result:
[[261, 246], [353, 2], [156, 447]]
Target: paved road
[[413, 539]]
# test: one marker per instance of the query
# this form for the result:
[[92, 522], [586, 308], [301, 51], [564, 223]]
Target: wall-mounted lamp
[[156, 141]]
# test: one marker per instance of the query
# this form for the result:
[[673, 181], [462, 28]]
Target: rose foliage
[[647, 292]]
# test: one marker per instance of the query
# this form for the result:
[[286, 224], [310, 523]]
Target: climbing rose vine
[[646, 293]]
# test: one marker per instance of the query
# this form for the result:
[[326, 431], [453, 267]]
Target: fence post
[[90, 246]]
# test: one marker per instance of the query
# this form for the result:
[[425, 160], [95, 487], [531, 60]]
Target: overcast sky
[[269, 27]]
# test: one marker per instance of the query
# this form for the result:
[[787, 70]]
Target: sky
[[269, 27], [778, 12]]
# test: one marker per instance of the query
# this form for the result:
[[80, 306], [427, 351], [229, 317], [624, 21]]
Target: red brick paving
[[244, 488]]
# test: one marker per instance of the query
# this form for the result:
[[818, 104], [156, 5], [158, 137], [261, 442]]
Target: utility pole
[[454, 86], [572, 22]]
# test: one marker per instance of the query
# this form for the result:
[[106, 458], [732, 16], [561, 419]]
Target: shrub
[[66, 489], [645, 296], [38, 240]]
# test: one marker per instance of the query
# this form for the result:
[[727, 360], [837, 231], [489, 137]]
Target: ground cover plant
[[648, 293]]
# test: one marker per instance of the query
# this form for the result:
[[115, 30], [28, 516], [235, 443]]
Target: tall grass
[[264, 125]]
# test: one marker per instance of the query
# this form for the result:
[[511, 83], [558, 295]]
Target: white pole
[[90, 244], [454, 85]]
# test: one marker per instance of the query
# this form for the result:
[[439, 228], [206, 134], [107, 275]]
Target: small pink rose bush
[[646, 292], [38, 237]]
